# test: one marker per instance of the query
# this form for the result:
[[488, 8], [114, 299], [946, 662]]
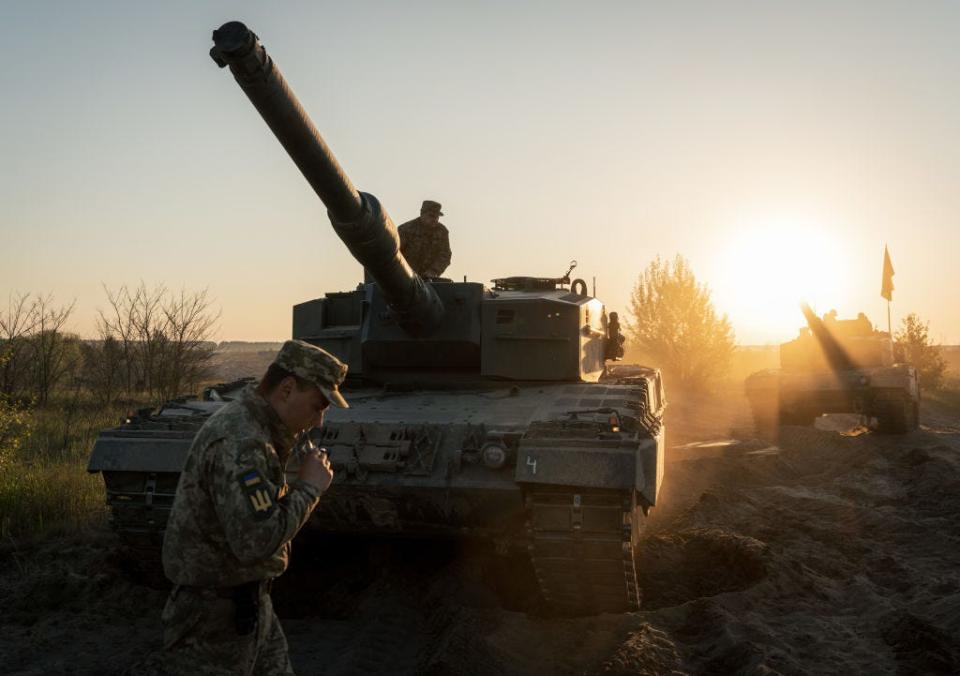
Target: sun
[[768, 266]]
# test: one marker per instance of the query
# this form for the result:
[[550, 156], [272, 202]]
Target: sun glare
[[769, 266]]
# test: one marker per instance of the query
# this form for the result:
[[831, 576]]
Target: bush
[[673, 323], [912, 344], [45, 486], [14, 430]]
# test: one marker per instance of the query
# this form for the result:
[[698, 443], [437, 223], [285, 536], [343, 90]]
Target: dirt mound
[[695, 563], [648, 650], [69, 607]]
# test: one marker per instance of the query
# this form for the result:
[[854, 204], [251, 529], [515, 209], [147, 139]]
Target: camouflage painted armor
[[232, 521], [426, 247]]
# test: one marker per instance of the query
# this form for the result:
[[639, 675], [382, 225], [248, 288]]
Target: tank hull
[[571, 490], [891, 394]]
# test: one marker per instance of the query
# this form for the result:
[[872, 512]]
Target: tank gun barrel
[[239, 48], [358, 219]]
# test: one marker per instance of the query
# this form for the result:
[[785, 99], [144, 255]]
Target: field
[[45, 488], [832, 550]]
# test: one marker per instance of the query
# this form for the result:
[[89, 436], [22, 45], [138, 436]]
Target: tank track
[[896, 412], [582, 545], [141, 546], [139, 508], [140, 501]]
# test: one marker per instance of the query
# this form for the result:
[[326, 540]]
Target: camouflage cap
[[431, 207], [316, 366]]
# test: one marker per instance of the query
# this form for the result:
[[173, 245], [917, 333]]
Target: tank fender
[[900, 376], [651, 458], [621, 464], [131, 454]]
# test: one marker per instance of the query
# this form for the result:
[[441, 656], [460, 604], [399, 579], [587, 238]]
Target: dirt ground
[[832, 550]]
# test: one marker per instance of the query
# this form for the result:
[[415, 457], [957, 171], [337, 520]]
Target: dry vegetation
[[44, 485], [58, 390]]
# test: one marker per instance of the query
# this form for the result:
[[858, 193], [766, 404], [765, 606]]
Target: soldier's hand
[[315, 469]]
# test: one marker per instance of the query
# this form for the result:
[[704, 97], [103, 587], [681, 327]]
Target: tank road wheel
[[582, 544], [140, 551], [896, 413]]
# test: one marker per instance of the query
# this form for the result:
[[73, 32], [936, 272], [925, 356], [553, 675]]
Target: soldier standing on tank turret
[[425, 242], [234, 516]]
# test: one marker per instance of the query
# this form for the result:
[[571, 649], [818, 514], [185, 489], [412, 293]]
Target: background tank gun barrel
[[357, 217]]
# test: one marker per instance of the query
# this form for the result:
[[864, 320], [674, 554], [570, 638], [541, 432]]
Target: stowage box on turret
[[475, 410]]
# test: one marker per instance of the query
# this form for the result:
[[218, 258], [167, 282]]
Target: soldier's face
[[300, 410], [430, 219]]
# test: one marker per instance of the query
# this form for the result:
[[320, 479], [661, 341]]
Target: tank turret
[[832, 349], [404, 328], [359, 220]]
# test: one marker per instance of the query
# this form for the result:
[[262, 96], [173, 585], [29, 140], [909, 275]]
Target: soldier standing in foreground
[[234, 516], [425, 242]]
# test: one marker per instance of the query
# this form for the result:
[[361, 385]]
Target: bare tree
[[162, 338], [50, 347], [117, 324], [674, 324], [135, 320], [149, 331], [16, 325], [103, 368], [189, 328]]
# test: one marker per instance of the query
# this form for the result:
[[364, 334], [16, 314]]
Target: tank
[[488, 411], [836, 366]]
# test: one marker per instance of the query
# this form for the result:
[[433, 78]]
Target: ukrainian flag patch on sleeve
[[257, 492]]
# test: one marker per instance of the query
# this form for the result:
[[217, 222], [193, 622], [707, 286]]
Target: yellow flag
[[886, 287]]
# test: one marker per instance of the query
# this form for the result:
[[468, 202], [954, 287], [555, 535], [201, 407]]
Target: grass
[[44, 484], [47, 496]]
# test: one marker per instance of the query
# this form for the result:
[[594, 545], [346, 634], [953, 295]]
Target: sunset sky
[[778, 146]]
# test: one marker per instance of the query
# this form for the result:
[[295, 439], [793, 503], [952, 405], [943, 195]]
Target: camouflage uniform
[[425, 246], [230, 529]]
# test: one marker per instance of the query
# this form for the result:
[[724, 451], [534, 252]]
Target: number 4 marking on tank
[[532, 464]]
